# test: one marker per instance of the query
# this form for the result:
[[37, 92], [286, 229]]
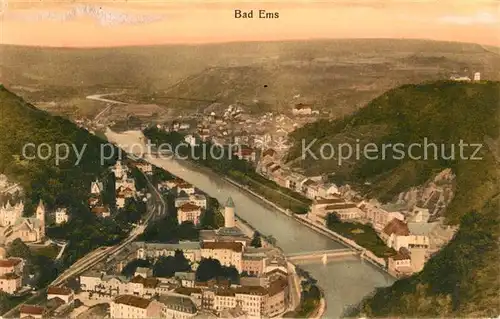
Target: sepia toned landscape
[[182, 160]]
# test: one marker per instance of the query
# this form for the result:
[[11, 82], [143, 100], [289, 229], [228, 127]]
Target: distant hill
[[463, 278], [338, 76]]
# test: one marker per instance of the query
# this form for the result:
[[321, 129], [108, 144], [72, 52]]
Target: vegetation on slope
[[66, 184], [444, 113], [462, 279]]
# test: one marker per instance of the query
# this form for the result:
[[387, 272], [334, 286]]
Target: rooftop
[[11, 262], [396, 227], [188, 207], [146, 282], [31, 310], [179, 303], [59, 291], [133, 301], [187, 245], [187, 290], [324, 201], [235, 246], [340, 206], [230, 231], [229, 202]]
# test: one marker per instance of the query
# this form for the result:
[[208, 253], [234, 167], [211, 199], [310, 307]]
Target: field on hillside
[[337, 76]]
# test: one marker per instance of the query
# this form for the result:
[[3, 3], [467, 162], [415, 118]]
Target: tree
[[140, 180], [164, 267], [168, 266], [131, 267], [332, 219], [271, 240], [208, 269], [19, 249], [132, 211], [181, 262], [187, 231], [212, 217], [256, 240], [230, 273], [212, 269]]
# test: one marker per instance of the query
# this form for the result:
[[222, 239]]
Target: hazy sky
[[116, 22]]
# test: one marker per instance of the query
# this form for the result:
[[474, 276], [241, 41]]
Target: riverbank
[[255, 194], [364, 253]]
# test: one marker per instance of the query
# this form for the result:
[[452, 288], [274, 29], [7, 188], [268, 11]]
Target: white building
[[377, 216], [397, 235], [477, 76], [229, 219], [400, 264], [228, 253], [96, 187], [191, 250], [61, 215], [189, 212]]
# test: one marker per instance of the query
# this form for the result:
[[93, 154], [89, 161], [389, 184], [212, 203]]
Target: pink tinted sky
[[116, 23]]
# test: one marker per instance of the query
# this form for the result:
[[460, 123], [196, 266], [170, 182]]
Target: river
[[344, 282]]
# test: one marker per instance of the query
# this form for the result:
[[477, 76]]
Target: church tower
[[40, 216], [229, 213]]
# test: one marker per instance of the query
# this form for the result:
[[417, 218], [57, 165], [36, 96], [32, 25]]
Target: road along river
[[345, 281]]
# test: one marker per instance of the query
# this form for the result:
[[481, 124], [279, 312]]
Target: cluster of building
[[189, 202], [270, 167], [13, 225], [261, 292], [409, 231], [125, 188], [11, 273], [60, 302]]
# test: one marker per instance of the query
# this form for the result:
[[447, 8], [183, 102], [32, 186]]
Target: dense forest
[[462, 279]]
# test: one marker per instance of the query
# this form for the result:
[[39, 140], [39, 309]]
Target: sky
[[74, 23]]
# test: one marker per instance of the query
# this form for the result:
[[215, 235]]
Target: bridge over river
[[322, 255]]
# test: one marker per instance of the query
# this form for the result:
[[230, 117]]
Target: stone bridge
[[322, 255]]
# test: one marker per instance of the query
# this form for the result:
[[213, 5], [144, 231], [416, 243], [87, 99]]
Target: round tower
[[229, 213], [40, 215]]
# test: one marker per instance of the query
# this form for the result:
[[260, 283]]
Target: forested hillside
[[463, 278], [66, 184]]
